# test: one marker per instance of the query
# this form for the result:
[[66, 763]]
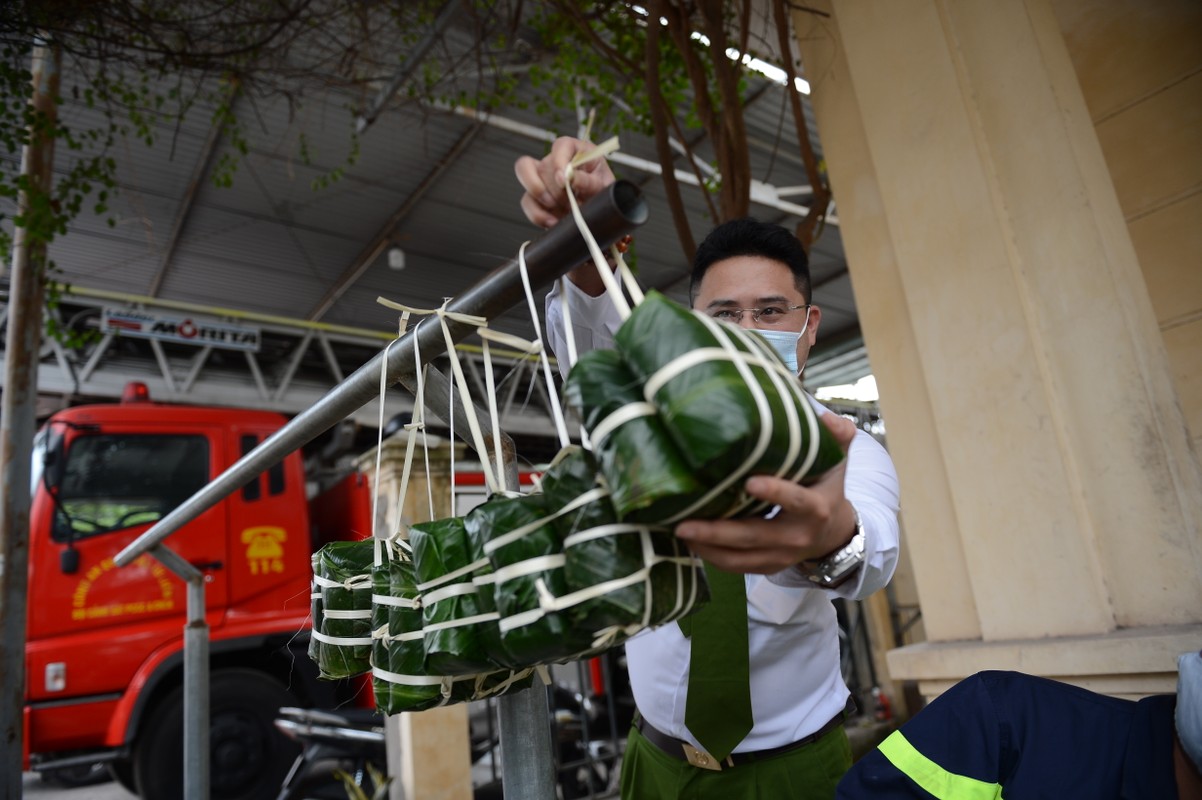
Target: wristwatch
[[840, 565]]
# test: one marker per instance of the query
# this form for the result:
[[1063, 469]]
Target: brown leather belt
[[682, 750]]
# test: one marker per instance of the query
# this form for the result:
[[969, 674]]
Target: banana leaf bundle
[[620, 576], [526, 554], [725, 398], [340, 643], [646, 474], [399, 678], [398, 655], [459, 632]]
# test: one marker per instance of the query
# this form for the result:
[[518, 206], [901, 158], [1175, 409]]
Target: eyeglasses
[[768, 315]]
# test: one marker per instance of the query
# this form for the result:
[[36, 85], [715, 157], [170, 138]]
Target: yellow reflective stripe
[[932, 777]]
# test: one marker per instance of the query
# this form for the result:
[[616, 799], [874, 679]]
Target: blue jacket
[[1018, 737]]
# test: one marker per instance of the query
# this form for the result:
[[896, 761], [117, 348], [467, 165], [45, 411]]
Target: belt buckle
[[700, 758]]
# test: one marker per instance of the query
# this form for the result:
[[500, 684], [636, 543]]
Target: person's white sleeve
[[871, 485], [594, 321]]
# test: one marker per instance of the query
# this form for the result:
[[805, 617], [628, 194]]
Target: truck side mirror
[[68, 560]]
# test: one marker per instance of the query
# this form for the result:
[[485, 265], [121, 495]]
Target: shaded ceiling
[[438, 184]]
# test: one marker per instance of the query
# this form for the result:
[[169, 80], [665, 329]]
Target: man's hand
[[546, 200], [814, 521]]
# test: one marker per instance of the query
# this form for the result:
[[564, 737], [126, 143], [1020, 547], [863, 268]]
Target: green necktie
[[718, 707]]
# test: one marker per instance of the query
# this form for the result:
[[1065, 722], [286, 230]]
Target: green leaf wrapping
[[341, 646], [398, 650], [529, 634], [601, 551], [440, 549], [398, 645], [725, 429], [646, 474]]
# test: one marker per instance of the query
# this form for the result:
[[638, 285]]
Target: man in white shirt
[[837, 537]]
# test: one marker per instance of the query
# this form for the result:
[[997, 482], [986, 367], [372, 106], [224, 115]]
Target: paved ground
[[34, 786]]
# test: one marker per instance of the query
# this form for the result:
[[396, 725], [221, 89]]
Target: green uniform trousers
[[807, 773]]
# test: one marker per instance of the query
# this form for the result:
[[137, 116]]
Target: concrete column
[[1050, 490], [429, 752]]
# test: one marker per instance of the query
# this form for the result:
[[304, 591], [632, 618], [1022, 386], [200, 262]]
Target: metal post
[[196, 675], [18, 409]]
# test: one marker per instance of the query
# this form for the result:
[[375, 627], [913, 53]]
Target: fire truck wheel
[[248, 758], [122, 771]]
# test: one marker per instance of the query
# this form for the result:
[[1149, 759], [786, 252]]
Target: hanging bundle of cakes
[[675, 418]]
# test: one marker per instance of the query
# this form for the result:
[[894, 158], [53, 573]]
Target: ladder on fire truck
[[213, 356]]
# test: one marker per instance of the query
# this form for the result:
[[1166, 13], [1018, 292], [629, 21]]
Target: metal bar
[[609, 215], [413, 58], [331, 360], [293, 364], [94, 358], [18, 412], [164, 365], [388, 230], [196, 675], [198, 362], [203, 162], [252, 363]]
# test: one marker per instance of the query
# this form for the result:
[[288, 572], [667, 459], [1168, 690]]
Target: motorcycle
[[344, 752]]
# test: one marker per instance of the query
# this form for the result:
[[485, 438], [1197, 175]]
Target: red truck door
[[91, 626], [269, 536]]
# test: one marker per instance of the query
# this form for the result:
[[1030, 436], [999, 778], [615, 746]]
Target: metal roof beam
[[385, 235], [763, 194], [203, 163]]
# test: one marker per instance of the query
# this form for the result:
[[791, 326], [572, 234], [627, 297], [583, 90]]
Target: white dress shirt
[[796, 685]]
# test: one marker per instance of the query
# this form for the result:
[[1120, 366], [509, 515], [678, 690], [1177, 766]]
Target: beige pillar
[[1050, 490], [429, 752]]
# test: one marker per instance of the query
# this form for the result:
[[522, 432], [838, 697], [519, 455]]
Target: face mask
[[1189, 706], [785, 345]]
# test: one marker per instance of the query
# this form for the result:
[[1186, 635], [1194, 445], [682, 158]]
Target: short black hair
[[750, 237]]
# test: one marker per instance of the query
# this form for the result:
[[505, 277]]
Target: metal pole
[[196, 676], [18, 412], [610, 215]]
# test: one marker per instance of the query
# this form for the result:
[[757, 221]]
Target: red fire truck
[[105, 644]]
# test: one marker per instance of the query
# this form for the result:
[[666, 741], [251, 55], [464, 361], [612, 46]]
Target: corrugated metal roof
[[272, 243]]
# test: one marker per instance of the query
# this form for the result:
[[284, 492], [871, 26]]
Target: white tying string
[[522, 569], [375, 489], [556, 411], [492, 616], [628, 279], [451, 437], [397, 602], [446, 592], [465, 394], [569, 333], [603, 270], [618, 418], [414, 680], [350, 584], [361, 613], [523, 531], [340, 641], [452, 575], [529, 348]]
